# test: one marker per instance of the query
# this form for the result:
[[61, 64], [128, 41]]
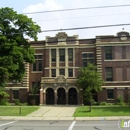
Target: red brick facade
[[64, 91]]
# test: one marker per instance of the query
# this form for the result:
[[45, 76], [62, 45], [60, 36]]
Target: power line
[[68, 29], [97, 7], [103, 26]]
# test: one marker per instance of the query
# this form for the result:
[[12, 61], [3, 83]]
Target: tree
[[89, 80], [15, 50], [34, 91]]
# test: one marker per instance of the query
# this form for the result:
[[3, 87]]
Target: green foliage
[[17, 102], [24, 104], [4, 102], [89, 81], [3, 94], [120, 100], [35, 90], [14, 47], [103, 103]]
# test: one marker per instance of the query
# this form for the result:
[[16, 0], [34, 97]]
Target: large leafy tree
[[89, 81], [15, 50]]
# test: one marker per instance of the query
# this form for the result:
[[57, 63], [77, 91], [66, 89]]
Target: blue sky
[[74, 19]]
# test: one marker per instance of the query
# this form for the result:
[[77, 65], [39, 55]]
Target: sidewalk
[[59, 113]]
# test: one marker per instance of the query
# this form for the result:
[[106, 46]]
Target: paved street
[[59, 125]]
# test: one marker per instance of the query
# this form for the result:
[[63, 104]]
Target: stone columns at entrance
[[67, 98], [55, 98], [41, 97], [44, 98]]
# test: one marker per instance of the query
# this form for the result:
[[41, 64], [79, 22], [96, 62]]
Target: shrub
[[17, 102], [120, 100], [103, 103], [4, 102], [25, 104], [109, 104]]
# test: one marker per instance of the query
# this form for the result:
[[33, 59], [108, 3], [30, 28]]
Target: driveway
[[50, 112]]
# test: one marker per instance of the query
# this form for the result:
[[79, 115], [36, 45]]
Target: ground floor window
[[15, 94], [110, 94]]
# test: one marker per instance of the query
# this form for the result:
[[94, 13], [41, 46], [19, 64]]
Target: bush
[[25, 104], [120, 100], [103, 103], [4, 102], [17, 102], [109, 104]]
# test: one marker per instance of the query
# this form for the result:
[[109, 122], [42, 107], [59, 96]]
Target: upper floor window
[[108, 52], [87, 58], [53, 72], [53, 55], [37, 66], [62, 55], [70, 54], [70, 72], [109, 74], [61, 71]]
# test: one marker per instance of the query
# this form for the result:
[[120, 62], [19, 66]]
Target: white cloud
[[80, 18]]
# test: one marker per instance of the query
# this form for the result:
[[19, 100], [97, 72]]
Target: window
[[37, 66], [62, 55], [70, 54], [109, 74], [87, 58], [53, 72], [61, 71], [53, 55], [70, 72], [84, 62], [110, 94], [15, 94], [108, 52]]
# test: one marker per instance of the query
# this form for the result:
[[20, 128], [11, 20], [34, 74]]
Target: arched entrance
[[61, 97], [49, 96], [72, 96]]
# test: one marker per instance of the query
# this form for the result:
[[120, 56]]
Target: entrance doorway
[[72, 96], [49, 96], [61, 97]]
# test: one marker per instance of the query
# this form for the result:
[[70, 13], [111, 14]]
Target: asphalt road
[[59, 125]]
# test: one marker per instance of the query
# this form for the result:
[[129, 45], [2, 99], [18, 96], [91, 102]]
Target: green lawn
[[83, 111], [17, 110]]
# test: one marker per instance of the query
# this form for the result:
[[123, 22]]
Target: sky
[[75, 18]]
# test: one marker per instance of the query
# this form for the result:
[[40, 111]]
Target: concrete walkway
[[52, 112], [59, 113]]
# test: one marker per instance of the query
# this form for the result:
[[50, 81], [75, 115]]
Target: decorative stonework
[[123, 37], [60, 79]]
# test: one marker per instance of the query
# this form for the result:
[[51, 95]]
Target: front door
[[72, 96], [61, 97], [49, 96]]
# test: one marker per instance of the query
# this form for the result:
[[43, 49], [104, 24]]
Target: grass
[[98, 111], [17, 110]]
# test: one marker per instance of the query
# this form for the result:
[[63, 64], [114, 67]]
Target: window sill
[[118, 60], [110, 99], [36, 71]]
